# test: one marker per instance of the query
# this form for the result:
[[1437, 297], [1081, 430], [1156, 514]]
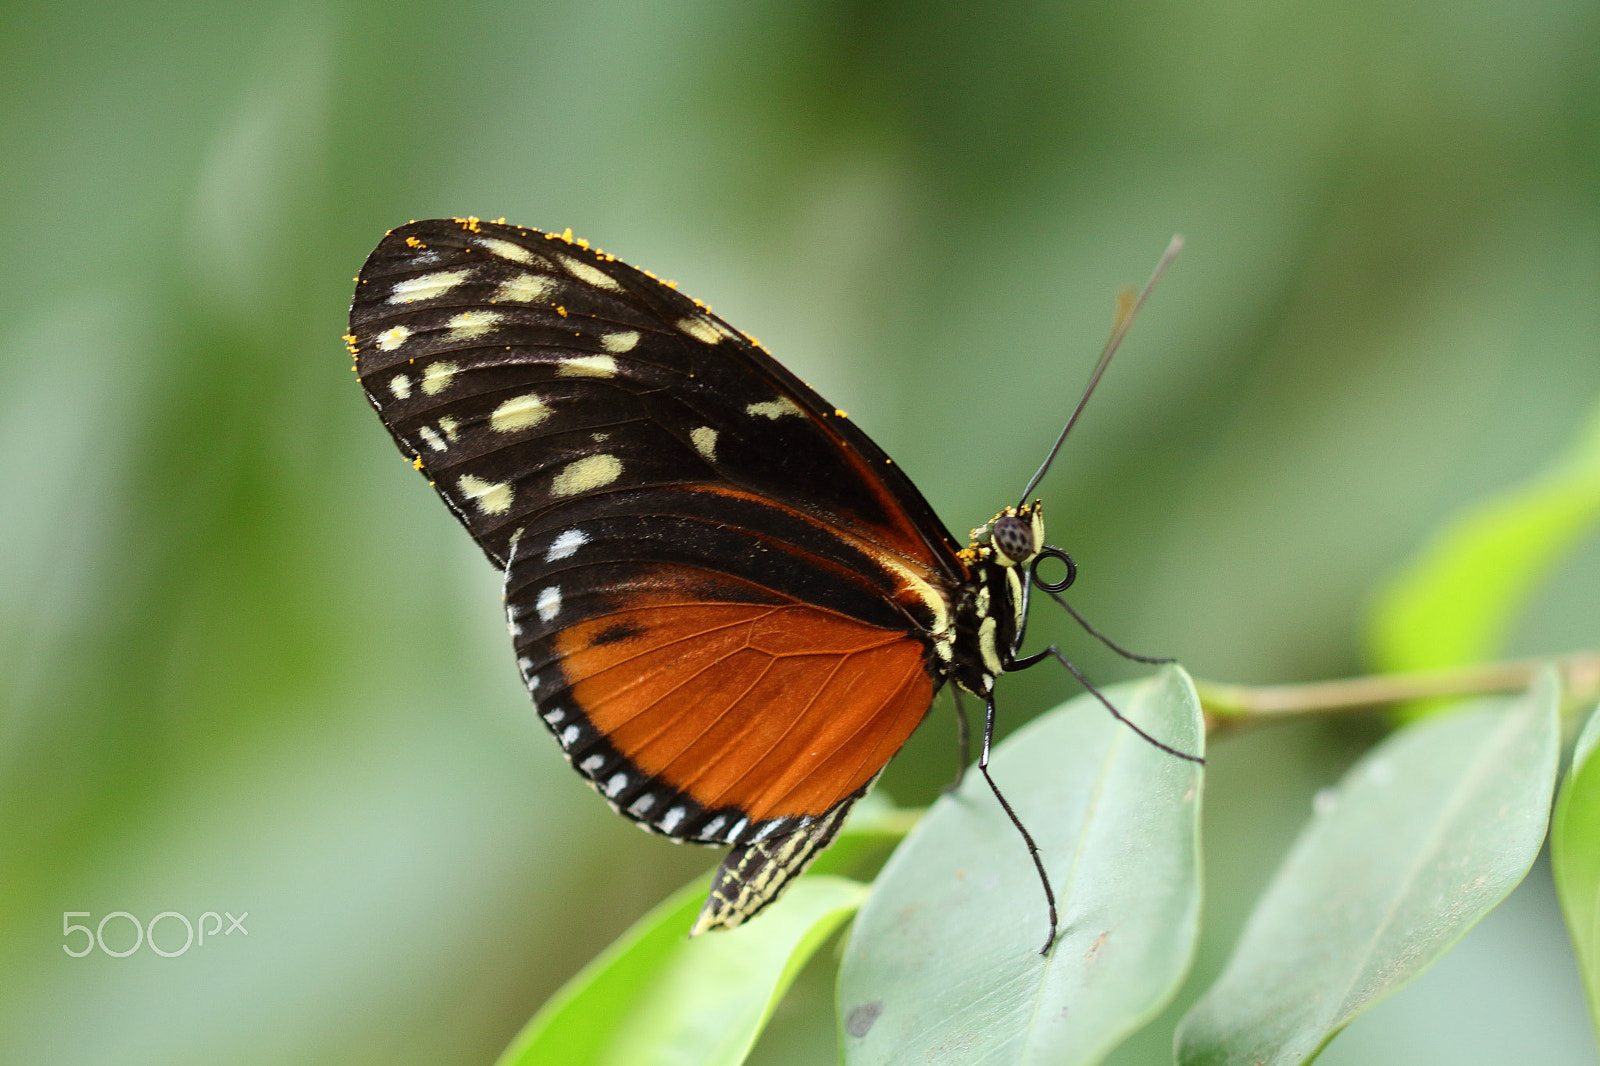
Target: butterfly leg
[[1027, 838], [964, 735], [1038, 657]]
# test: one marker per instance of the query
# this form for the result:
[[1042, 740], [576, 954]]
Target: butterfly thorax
[[990, 603]]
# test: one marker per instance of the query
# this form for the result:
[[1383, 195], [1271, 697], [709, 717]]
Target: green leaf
[[1575, 858], [1455, 603], [945, 957], [1420, 840], [656, 997]]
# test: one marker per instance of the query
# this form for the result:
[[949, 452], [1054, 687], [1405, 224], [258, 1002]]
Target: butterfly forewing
[[726, 601]]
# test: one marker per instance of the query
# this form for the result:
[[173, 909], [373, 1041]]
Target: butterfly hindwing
[[726, 601]]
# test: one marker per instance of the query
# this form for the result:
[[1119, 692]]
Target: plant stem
[[1229, 708]]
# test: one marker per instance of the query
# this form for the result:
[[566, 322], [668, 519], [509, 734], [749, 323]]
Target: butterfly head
[[1013, 538]]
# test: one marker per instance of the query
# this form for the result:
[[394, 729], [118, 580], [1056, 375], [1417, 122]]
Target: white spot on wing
[[549, 603], [620, 342], [700, 329], [672, 819], [735, 829], [449, 425], [427, 286], [519, 412], [554, 715], [470, 324], [569, 735], [400, 385], [492, 497], [587, 366], [615, 784], [704, 439], [773, 409], [593, 275], [563, 546], [505, 249], [436, 378], [392, 338], [433, 439], [586, 475], [526, 289], [643, 804], [714, 826], [592, 763]]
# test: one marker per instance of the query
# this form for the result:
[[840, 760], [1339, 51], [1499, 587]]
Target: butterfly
[[728, 605]]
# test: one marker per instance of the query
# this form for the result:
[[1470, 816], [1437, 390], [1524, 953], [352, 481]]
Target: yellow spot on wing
[[491, 497], [591, 274], [392, 338], [470, 324], [412, 242], [506, 249], [427, 286], [773, 409], [437, 377], [586, 475], [704, 439], [519, 412], [526, 288], [588, 366], [700, 329]]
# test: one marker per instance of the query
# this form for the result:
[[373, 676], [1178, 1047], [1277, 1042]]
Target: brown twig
[[1229, 708]]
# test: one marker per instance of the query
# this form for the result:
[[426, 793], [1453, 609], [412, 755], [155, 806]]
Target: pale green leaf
[[1420, 839], [1575, 858], [944, 961]]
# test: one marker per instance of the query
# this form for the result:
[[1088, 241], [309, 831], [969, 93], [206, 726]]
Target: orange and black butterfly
[[728, 605]]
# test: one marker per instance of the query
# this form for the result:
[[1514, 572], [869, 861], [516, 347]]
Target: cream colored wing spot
[[436, 378], [700, 329], [587, 366], [491, 497], [591, 275], [433, 439], [549, 603], [449, 426], [427, 286], [587, 474], [506, 250], [470, 324], [773, 409], [704, 439], [526, 289], [400, 385], [519, 412], [392, 338], [620, 342]]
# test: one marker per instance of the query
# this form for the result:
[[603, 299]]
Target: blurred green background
[[248, 663]]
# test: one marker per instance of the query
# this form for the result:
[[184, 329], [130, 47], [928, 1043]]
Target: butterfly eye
[[1013, 539]]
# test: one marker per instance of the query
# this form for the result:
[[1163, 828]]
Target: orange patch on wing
[[775, 710]]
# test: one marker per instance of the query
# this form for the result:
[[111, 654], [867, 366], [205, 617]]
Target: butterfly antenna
[[1127, 308]]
